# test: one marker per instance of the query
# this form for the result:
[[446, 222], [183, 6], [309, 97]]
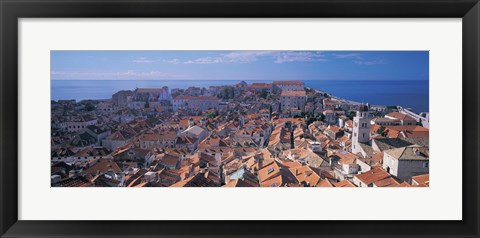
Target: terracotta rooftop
[[305, 174], [422, 179], [344, 183], [400, 116], [409, 153], [196, 98], [163, 135], [388, 182], [346, 157], [288, 82], [325, 183], [103, 166], [149, 90], [199, 180], [373, 175], [293, 94]]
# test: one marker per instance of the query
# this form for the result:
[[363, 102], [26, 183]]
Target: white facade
[[72, 126], [361, 130], [404, 169], [293, 100], [142, 104], [288, 86], [191, 102]]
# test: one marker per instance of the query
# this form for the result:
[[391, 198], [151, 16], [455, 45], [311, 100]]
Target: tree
[[321, 117], [382, 131], [212, 114], [226, 92], [147, 105], [351, 114], [89, 107], [263, 93]]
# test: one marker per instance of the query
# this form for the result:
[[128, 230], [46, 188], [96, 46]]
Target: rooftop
[[293, 94], [409, 153], [288, 82], [198, 98]]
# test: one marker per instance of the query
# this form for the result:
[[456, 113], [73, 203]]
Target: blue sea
[[406, 93]]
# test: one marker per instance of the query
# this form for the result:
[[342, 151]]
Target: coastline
[[335, 97], [385, 92]]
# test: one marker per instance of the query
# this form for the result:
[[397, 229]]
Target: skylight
[[270, 170]]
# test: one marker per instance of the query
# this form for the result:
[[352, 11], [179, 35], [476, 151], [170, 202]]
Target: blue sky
[[239, 65]]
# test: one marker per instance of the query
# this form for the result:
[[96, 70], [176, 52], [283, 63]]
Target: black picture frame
[[12, 10]]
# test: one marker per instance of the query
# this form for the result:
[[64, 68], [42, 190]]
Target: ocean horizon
[[412, 94]]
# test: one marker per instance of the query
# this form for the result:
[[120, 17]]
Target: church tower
[[361, 128]]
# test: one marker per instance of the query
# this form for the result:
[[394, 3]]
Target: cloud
[[205, 60], [357, 58], [373, 62], [172, 61], [243, 57], [348, 56], [232, 57], [299, 56], [142, 60], [129, 74], [246, 56]]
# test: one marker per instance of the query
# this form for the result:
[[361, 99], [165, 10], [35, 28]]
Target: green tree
[[351, 114], [147, 105], [89, 107], [226, 92], [382, 131], [321, 117], [263, 93], [212, 114]]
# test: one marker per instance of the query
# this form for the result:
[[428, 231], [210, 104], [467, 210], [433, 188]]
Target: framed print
[[257, 118]]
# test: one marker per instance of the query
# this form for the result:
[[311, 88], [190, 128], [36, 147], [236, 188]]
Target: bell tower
[[361, 128]]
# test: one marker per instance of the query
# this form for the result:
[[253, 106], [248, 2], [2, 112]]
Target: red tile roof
[[400, 116], [288, 82], [373, 175], [344, 183], [293, 94], [422, 179]]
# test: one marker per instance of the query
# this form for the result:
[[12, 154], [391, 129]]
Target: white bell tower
[[361, 128]]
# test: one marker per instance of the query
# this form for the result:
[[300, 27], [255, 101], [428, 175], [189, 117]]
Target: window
[[270, 170], [425, 164]]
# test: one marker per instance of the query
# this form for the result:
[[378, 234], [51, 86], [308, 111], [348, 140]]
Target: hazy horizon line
[[240, 79]]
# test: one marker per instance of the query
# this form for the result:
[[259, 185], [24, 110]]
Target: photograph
[[194, 109], [239, 118]]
